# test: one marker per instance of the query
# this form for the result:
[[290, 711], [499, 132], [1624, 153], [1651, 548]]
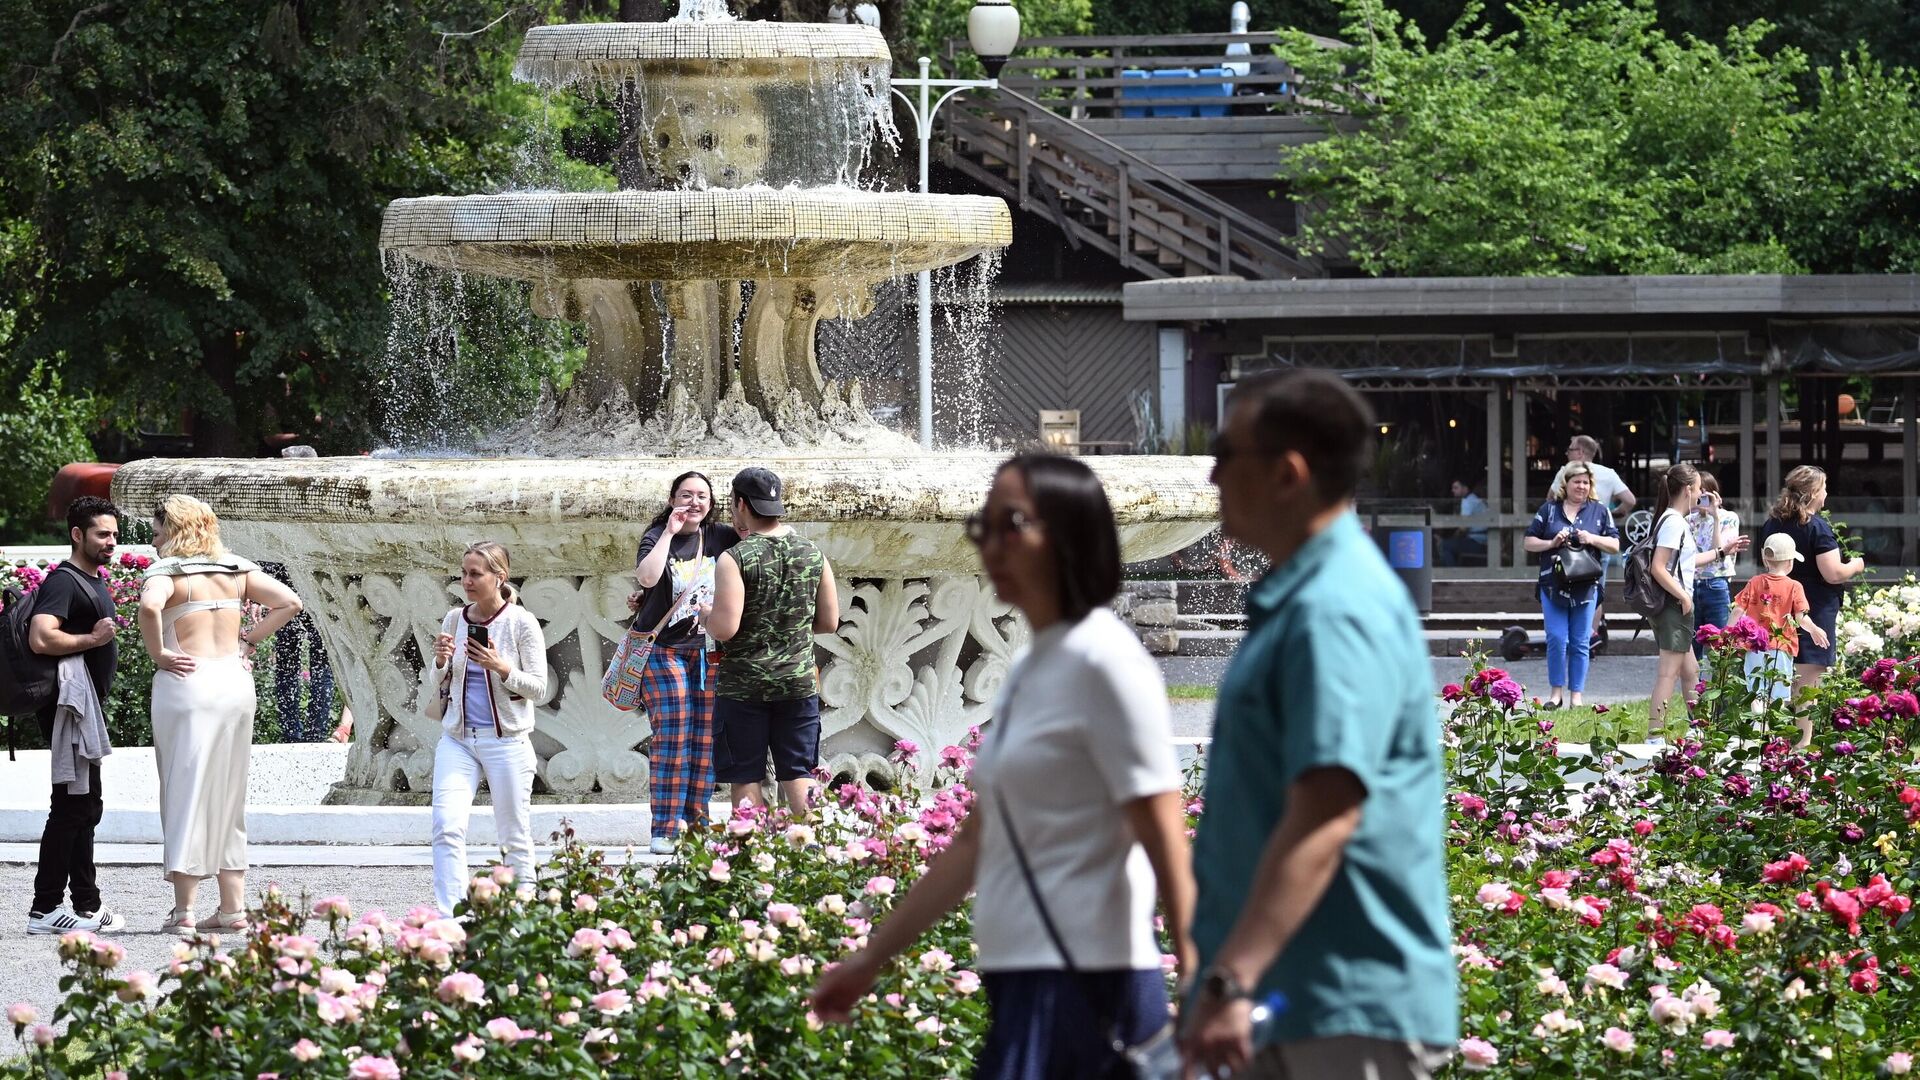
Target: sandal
[[179, 923], [223, 920]]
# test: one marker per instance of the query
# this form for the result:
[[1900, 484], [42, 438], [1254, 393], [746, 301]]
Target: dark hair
[[1674, 481], [713, 502], [1072, 506], [83, 511], [1315, 414]]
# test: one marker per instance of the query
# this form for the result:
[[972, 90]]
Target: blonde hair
[[192, 528], [494, 555], [1571, 469], [1796, 494]]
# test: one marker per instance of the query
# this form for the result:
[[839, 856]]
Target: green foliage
[[1589, 141], [42, 427], [192, 195], [927, 26]]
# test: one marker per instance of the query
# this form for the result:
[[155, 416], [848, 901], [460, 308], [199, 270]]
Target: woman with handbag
[[1077, 805], [490, 668], [1572, 533], [669, 672]]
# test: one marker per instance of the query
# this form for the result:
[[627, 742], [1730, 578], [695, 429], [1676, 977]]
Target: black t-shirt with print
[[64, 596], [686, 548]]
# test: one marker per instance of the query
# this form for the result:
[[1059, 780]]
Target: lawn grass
[[1192, 692], [1622, 722]]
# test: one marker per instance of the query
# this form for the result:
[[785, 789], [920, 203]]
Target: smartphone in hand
[[478, 635]]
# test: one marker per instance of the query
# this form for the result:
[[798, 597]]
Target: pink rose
[[880, 885], [1717, 1039], [461, 988], [368, 1067], [306, 1050], [503, 1029], [1618, 1040], [612, 1002], [1478, 1055]]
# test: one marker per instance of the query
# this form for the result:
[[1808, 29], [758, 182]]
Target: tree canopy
[[192, 193], [1588, 140]]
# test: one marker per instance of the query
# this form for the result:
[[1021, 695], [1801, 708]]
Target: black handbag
[[1576, 567]]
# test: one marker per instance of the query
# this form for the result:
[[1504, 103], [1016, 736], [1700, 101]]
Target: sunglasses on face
[[981, 527]]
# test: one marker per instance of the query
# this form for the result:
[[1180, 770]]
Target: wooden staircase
[[1104, 196]]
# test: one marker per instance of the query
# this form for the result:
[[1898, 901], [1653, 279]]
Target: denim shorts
[[744, 732]]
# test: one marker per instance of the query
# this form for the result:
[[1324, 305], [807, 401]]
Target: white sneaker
[[60, 920], [111, 922], [662, 845]]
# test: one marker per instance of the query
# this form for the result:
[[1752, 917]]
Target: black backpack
[[29, 682], [1644, 594]]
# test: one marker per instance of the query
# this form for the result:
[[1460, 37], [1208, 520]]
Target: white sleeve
[[1129, 725]]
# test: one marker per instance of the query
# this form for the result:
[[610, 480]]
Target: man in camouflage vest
[[772, 592]]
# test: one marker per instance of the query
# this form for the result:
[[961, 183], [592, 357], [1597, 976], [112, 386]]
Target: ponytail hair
[[1676, 479], [1796, 494], [494, 555]]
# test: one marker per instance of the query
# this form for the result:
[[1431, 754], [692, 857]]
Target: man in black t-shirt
[[71, 616]]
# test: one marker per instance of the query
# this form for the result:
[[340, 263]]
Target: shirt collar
[[1273, 589]]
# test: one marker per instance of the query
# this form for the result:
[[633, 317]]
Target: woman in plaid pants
[[674, 567]]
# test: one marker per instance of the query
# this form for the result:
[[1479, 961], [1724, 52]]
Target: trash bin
[[1407, 543]]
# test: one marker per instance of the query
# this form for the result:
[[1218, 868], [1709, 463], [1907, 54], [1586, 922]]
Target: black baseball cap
[[761, 488]]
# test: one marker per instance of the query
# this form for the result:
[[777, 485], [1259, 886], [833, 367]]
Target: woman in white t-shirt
[[1676, 558], [1077, 806]]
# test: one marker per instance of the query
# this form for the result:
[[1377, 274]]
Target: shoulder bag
[[621, 684], [1644, 594]]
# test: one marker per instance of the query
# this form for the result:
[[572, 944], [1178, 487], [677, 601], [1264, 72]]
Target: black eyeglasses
[[979, 527]]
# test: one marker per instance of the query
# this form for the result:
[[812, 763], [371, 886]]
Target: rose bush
[[129, 703], [698, 967], [1737, 907]]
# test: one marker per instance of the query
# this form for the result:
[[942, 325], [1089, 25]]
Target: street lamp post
[[993, 28]]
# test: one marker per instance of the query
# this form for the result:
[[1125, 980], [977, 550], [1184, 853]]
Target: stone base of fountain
[[373, 546]]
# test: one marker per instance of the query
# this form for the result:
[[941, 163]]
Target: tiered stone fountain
[[702, 283]]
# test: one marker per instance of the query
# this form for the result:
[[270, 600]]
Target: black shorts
[[744, 731]]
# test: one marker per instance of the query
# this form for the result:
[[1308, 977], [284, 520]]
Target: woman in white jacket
[[490, 668]]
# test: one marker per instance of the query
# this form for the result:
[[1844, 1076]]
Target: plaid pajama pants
[[679, 704]]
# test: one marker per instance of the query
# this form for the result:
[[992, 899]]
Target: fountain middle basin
[[373, 545]]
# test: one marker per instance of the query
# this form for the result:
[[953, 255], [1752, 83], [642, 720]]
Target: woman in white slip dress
[[203, 703]]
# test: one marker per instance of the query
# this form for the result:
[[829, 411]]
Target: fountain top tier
[[596, 54]]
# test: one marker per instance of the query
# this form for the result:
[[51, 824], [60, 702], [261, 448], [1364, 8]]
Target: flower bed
[[129, 703], [1737, 909]]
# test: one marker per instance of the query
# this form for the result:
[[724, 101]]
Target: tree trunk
[[216, 433]]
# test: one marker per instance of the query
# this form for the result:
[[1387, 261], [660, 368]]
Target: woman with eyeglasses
[[1077, 807]]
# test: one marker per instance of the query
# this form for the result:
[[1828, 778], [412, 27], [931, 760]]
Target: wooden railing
[[1103, 195], [1082, 77]]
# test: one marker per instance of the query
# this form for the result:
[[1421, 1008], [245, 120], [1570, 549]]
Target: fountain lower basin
[[373, 546]]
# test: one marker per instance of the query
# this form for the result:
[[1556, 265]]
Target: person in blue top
[[1320, 863], [1570, 519]]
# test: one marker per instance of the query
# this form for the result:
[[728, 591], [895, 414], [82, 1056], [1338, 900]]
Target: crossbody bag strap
[[1107, 1023], [92, 596], [1033, 886]]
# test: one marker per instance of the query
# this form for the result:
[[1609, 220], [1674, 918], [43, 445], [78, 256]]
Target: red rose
[[1865, 982]]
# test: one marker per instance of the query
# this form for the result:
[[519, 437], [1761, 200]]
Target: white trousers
[[458, 766]]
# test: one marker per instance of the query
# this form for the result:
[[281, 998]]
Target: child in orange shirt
[[1777, 602]]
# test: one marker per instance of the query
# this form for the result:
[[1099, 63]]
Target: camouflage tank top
[[771, 657]]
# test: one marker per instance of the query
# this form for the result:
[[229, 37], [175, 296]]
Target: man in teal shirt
[[1321, 856]]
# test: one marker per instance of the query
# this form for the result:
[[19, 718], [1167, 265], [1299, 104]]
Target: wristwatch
[[1219, 984]]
